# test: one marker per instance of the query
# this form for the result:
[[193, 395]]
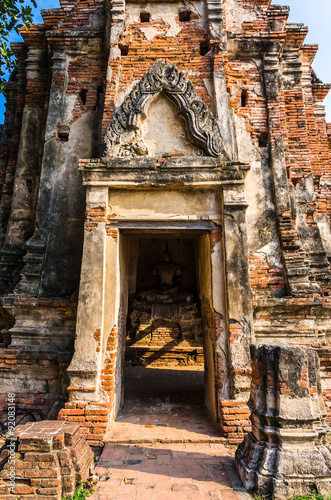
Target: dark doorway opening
[[168, 354], [164, 326]]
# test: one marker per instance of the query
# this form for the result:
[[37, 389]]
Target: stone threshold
[[209, 440]]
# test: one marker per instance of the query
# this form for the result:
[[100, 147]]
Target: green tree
[[14, 14]]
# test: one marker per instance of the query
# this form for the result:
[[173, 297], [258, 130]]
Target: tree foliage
[[14, 14]]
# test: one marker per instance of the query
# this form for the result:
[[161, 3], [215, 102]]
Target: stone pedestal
[[286, 452]]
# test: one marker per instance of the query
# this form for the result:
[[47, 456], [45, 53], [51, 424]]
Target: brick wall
[[160, 343], [51, 458], [328, 132], [93, 419], [264, 279], [234, 420], [38, 379], [182, 50]]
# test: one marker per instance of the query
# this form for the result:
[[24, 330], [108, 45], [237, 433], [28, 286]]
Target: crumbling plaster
[[166, 205], [236, 13], [167, 12]]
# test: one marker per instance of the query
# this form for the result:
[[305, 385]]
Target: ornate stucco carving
[[202, 127]]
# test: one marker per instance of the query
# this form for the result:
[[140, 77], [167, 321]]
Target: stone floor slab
[[205, 473]]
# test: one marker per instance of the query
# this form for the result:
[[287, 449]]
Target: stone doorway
[[177, 198], [165, 326]]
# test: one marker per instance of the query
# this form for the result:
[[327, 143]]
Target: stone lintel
[[190, 227], [161, 173]]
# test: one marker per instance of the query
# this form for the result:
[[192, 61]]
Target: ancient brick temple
[[165, 196]]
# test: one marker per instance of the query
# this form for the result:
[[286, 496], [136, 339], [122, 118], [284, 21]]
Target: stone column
[[220, 317], [85, 368], [8, 259], [22, 215], [11, 89], [35, 246], [239, 295], [93, 367], [286, 454], [222, 109]]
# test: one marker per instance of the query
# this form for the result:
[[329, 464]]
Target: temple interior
[[164, 324]]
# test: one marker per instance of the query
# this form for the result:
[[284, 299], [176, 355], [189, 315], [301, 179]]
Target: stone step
[[210, 440]]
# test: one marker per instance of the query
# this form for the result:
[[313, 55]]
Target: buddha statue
[[168, 289], [167, 302]]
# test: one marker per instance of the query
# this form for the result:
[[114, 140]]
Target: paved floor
[[163, 445], [164, 405]]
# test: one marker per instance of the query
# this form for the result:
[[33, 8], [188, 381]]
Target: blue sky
[[316, 15]]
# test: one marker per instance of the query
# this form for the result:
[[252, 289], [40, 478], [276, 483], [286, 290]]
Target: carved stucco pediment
[[123, 138]]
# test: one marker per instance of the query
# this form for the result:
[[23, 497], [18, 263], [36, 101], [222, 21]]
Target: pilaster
[[238, 288], [300, 280], [91, 343], [35, 246], [22, 215]]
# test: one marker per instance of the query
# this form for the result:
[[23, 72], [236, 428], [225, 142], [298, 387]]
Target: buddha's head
[[166, 257]]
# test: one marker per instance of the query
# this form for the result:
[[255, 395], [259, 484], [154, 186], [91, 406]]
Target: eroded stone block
[[286, 453], [38, 449]]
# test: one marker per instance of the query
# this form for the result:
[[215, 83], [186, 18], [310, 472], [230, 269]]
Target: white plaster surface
[[162, 130], [166, 12], [261, 227]]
